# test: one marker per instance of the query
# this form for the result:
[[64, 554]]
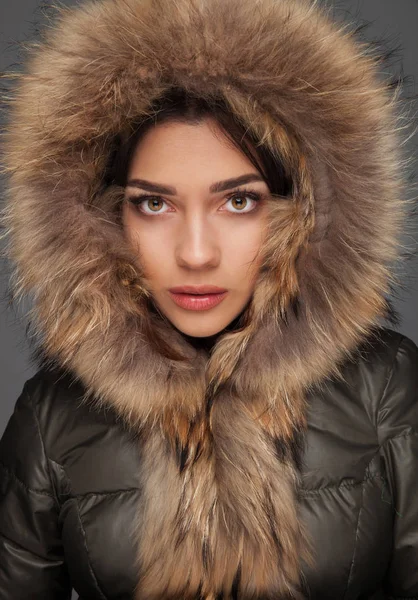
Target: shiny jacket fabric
[[70, 486]]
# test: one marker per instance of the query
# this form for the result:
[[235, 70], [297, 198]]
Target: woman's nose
[[198, 246]]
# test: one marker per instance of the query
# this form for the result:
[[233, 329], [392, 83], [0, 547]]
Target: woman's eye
[[244, 202], [240, 201], [151, 202]]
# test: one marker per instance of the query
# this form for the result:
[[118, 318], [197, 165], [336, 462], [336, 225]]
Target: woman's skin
[[195, 236]]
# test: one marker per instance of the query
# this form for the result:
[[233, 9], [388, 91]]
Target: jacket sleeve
[[398, 428], [31, 554]]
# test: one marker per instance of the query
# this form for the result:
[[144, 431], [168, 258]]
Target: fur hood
[[221, 433]]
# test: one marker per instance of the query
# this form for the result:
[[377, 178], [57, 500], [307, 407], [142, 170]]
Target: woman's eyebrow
[[219, 186]]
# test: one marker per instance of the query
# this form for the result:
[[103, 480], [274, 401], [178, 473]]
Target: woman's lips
[[197, 301]]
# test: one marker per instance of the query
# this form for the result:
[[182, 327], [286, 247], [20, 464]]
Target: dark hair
[[182, 107]]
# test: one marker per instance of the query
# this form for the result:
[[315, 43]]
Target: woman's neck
[[208, 342], [205, 343]]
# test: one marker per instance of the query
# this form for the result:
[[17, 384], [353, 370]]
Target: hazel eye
[[149, 201], [244, 201], [241, 202]]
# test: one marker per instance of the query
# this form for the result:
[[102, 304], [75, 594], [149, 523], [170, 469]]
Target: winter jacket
[[280, 463], [71, 486]]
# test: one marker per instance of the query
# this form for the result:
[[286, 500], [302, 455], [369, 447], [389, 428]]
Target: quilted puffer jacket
[[71, 486], [280, 463]]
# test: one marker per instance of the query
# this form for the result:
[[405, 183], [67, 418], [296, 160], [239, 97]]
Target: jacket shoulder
[[48, 382], [56, 392], [387, 365], [22, 450], [376, 387], [51, 411], [381, 345], [398, 406], [29, 507]]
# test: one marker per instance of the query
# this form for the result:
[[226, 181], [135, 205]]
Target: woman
[[257, 442]]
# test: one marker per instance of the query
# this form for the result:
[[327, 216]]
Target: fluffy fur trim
[[222, 434]]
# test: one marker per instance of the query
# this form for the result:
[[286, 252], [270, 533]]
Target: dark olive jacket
[[69, 487]]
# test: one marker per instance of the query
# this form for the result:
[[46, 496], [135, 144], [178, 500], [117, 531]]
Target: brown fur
[[219, 433]]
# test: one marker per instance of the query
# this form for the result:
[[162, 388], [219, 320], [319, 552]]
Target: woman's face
[[192, 233]]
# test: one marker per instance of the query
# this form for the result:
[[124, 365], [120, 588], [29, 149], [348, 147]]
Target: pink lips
[[200, 297]]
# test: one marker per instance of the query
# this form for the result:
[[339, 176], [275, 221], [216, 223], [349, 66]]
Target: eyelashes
[[255, 199]]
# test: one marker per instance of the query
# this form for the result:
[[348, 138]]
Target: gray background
[[393, 21]]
